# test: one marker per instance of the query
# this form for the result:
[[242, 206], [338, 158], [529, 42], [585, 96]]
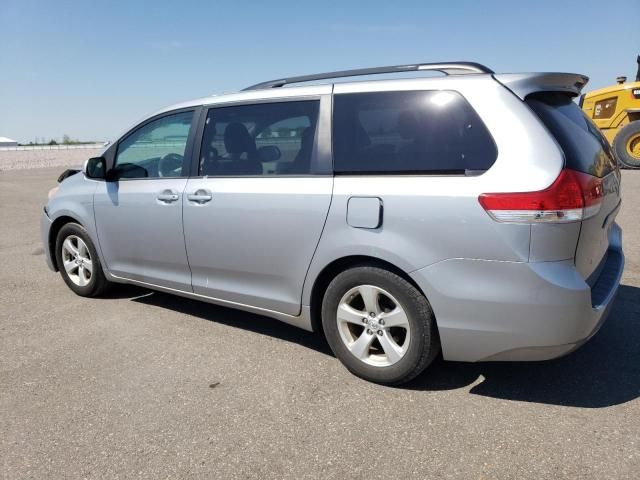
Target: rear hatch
[[587, 151]]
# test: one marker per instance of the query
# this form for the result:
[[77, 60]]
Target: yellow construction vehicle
[[616, 112]]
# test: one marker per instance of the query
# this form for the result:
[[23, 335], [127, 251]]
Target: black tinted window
[[585, 148], [261, 139], [402, 132]]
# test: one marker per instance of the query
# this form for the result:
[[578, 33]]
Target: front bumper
[[510, 311], [45, 228]]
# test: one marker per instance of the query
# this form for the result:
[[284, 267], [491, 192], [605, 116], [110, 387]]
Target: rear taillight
[[574, 196]]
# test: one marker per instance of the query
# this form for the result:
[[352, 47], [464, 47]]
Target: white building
[[7, 142]]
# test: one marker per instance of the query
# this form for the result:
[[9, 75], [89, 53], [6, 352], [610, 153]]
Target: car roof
[[316, 90], [521, 84], [243, 96], [272, 88]]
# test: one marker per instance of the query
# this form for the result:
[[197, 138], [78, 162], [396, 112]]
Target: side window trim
[[321, 149], [194, 166], [189, 147]]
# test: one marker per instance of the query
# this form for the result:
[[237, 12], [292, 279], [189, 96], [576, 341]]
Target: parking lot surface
[[146, 385]]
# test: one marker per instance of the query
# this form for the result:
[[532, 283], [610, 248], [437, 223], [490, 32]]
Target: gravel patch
[[28, 159]]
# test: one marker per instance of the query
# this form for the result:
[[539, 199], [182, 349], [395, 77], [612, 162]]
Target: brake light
[[574, 196]]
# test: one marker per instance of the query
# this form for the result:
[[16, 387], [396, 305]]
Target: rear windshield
[[585, 148]]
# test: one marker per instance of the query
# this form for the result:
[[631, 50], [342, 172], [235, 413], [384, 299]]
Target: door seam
[[184, 235]]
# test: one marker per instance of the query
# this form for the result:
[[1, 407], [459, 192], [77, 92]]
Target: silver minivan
[[471, 213]]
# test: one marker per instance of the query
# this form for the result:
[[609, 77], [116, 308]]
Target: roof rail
[[448, 68]]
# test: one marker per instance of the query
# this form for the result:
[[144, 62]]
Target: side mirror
[[269, 153], [96, 168]]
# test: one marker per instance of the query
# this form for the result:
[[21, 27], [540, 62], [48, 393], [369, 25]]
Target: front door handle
[[168, 196], [200, 196]]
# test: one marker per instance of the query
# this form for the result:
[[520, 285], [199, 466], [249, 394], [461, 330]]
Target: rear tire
[[379, 325], [626, 145], [78, 261]]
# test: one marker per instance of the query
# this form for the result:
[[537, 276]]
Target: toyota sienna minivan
[[471, 213]]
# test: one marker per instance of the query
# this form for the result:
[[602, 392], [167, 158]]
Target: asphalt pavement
[[147, 385]]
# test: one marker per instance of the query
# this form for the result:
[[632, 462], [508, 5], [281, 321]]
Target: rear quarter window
[[421, 132], [585, 148]]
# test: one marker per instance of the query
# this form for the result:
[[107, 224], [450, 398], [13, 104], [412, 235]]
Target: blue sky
[[90, 69]]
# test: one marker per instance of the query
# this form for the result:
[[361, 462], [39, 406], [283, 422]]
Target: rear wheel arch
[[379, 325], [339, 265]]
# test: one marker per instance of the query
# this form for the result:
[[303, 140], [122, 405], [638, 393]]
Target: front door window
[[156, 149]]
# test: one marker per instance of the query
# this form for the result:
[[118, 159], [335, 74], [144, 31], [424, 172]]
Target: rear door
[[255, 212], [586, 150]]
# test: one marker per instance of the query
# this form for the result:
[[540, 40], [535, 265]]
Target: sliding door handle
[[200, 196]]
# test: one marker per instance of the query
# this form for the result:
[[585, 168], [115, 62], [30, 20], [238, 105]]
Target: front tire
[[626, 145], [379, 325], [78, 261]]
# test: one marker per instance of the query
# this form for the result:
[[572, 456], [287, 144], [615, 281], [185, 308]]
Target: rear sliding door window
[[585, 148], [423, 132], [261, 139]]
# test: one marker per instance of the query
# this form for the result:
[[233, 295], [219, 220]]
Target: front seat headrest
[[237, 139]]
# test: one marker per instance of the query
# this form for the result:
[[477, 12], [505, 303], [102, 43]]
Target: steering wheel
[[169, 165]]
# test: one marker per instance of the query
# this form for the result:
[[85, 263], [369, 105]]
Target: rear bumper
[[509, 311], [45, 227]]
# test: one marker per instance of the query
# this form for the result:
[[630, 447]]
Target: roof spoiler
[[523, 84]]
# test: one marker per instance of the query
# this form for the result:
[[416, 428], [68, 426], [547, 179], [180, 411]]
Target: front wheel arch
[[57, 224], [86, 260]]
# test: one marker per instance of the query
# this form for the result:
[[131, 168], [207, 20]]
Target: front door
[[254, 216], [139, 215]]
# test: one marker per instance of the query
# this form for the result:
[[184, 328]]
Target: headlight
[[52, 192]]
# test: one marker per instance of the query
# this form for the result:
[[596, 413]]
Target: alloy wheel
[[373, 325], [76, 260]]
